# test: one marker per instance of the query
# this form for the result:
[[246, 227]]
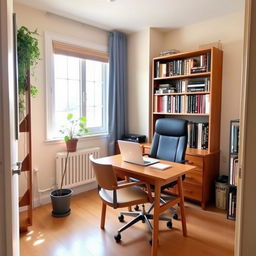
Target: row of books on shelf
[[184, 85], [198, 135], [187, 66], [233, 171], [234, 139], [231, 214], [199, 104], [170, 104]]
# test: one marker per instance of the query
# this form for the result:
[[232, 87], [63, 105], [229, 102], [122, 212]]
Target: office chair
[[169, 143], [119, 194]]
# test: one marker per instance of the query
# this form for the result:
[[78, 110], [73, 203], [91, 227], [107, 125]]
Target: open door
[[9, 217]]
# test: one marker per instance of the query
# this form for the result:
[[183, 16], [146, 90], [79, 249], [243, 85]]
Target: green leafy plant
[[74, 127], [28, 57]]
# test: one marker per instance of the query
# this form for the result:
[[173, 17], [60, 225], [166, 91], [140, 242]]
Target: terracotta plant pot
[[71, 145]]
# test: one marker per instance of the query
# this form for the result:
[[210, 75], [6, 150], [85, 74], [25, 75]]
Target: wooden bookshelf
[[199, 184], [25, 200]]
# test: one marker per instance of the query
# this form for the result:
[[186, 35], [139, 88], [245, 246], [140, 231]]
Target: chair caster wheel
[[118, 238], [121, 218], [136, 208], [175, 216], [143, 221], [169, 224]]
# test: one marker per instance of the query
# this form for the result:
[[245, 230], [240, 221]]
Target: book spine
[[157, 74]]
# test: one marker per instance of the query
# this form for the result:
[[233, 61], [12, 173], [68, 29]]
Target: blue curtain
[[117, 101]]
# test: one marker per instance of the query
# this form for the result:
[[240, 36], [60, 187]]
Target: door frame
[[9, 210], [246, 206]]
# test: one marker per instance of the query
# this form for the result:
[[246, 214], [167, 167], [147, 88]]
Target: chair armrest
[[129, 184]]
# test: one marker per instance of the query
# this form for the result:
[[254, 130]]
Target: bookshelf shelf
[[197, 98], [179, 114], [183, 76], [181, 93]]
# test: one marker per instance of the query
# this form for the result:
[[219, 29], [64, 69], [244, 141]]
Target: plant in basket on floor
[[61, 197]]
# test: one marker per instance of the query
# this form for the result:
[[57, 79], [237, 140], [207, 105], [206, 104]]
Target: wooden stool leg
[[103, 215]]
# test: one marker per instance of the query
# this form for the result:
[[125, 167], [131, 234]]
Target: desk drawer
[[194, 177], [195, 160], [192, 191]]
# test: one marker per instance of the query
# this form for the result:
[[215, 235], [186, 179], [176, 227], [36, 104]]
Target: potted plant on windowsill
[[74, 129], [61, 197]]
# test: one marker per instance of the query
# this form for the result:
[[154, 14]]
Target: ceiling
[[134, 15]]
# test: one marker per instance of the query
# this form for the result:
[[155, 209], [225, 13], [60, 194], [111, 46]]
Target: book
[[163, 70]]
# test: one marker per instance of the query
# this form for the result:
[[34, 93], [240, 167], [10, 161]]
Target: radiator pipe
[[37, 180]]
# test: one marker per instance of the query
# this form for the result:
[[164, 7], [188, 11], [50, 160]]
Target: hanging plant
[[28, 57]]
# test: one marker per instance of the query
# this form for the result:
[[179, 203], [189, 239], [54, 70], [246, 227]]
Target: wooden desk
[[157, 178], [199, 183]]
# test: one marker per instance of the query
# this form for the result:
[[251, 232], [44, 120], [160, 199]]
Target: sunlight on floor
[[38, 238], [39, 241]]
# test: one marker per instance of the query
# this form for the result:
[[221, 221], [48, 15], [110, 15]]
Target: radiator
[[79, 169]]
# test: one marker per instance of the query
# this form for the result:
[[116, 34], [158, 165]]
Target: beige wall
[[227, 29], [138, 81], [44, 152]]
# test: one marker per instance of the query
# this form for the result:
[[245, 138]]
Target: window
[[79, 87]]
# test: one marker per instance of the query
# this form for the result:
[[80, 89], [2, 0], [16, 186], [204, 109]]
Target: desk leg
[[156, 221], [182, 211]]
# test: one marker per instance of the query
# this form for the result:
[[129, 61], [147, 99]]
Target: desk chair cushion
[[108, 187], [125, 196]]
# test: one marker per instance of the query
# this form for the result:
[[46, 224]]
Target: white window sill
[[85, 138]]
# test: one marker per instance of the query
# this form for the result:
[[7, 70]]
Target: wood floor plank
[[209, 233]]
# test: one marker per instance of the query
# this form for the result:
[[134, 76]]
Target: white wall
[[227, 29], [44, 152], [138, 81]]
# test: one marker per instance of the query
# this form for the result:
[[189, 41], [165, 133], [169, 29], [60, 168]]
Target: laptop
[[131, 152]]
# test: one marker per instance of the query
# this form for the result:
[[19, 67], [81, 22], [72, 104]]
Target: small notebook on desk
[[160, 166]]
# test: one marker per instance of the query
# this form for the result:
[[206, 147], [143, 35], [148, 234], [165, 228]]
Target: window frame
[[50, 81]]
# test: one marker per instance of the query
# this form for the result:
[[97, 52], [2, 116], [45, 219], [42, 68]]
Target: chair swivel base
[[139, 216]]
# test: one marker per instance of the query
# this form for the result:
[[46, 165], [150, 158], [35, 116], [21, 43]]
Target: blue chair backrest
[[170, 139]]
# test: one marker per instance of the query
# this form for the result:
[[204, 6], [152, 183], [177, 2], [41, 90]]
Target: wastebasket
[[221, 192]]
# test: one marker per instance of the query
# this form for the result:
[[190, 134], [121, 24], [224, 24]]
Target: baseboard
[[44, 198]]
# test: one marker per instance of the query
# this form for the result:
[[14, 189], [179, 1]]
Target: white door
[[9, 217]]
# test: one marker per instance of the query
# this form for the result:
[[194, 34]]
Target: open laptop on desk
[[131, 152]]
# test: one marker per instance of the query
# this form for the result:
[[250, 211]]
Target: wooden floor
[[209, 233]]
